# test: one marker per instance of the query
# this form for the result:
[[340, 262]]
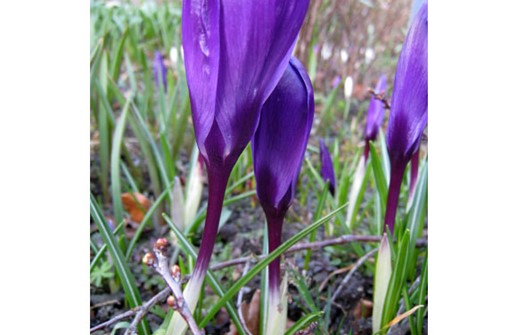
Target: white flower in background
[[344, 55], [173, 54], [349, 86], [369, 55], [113, 3], [326, 51]]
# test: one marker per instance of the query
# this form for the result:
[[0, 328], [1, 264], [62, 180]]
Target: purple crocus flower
[[374, 117], [235, 53], [278, 148], [408, 116], [159, 71], [327, 168]]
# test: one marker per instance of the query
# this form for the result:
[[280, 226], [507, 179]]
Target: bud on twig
[[171, 301], [176, 272], [161, 244], [149, 259]]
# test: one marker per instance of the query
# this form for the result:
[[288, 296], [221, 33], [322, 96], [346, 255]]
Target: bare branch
[[160, 263], [139, 311]]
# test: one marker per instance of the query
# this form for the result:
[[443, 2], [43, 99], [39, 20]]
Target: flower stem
[[396, 175], [274, 231], [216, 188]]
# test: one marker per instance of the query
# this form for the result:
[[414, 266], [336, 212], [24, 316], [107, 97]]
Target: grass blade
[[125, 275], [304, 322], [380, 176], [116, 185]]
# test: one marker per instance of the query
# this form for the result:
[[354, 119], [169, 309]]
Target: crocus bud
[[159, 71], [278, 148], [327, 168], [408, 116], [375, 115]]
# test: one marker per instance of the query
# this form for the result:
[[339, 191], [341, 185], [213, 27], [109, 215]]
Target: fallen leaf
[[402, 316], [136, 204], [251, 315]]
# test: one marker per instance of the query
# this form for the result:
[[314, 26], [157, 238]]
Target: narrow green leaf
[[422, 294], [125, 275], [116, 185], [380, 176], [397, 280], [304, 322], [117, 57], [416, 218], [104, 247]]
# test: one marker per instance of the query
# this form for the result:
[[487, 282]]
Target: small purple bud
[[327, 168], [375, 112], [159, 71]]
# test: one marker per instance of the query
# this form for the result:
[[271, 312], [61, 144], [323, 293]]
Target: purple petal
[[235, 52], [281, 138], [375, 113], [327, 168], [201, 46], [408, 116]]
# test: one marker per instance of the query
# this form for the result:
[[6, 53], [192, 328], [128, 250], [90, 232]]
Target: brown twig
[[381, 97], [352, 271], [139, 311], [144, 309], [160, 263], [343, 239]]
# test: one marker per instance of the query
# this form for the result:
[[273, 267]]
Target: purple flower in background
[[278, 148], [159, 71], [408, 116], [374, 117], [336, 81], [327, 168], [235, 53]]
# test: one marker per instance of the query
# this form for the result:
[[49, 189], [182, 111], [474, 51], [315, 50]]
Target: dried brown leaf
[[136, 204]]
